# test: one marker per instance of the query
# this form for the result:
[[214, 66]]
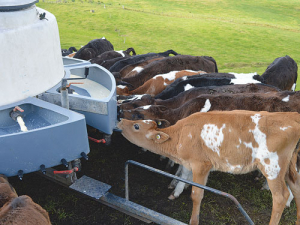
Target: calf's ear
[[158, 136]]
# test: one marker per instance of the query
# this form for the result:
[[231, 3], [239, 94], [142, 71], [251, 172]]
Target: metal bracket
[[90, 187]]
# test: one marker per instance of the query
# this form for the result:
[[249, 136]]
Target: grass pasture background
[[242, 36]]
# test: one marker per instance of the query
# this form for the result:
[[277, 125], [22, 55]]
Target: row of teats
[[16, 114]]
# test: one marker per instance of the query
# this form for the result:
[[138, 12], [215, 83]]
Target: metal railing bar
[[239, 206]]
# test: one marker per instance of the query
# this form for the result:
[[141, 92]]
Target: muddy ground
[[106, 163]]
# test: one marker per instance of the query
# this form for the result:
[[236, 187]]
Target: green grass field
[[243, 36]]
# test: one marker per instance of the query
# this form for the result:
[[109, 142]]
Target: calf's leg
[[174, 182], [200, 175], [180, 185], [288, 203], [295, 188], [280, 195], [169, 165]]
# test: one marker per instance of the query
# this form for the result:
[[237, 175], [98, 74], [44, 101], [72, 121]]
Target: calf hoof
[[171, 197], [142, 151], [169, 165], [171, 186], [161, 158], [265, 186]]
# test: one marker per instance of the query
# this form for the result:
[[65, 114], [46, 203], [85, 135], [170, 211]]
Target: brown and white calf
[[183, 84], [158, 83], [133, 69], [237, 142], [118, 66], [20, 210], [167, 64]]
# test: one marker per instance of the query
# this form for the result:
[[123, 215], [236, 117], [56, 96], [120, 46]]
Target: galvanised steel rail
[[185, 181], [92, 188]]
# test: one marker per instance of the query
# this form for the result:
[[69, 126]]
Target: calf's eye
[[136, 126]]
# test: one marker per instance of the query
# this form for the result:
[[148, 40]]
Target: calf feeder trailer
[[46, 102]]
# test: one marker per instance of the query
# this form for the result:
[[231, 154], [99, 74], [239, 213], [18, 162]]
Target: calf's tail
[[295, 163]]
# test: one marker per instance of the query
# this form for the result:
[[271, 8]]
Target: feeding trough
[[69, 61], [52, 133], [92, 92]]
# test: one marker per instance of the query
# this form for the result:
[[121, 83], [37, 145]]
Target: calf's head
[[143, 133]]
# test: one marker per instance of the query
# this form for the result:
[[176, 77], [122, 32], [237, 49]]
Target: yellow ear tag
[[159, 123], [157, 136]]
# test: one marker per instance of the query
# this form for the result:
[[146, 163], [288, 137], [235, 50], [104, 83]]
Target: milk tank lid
[[16, 5]]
